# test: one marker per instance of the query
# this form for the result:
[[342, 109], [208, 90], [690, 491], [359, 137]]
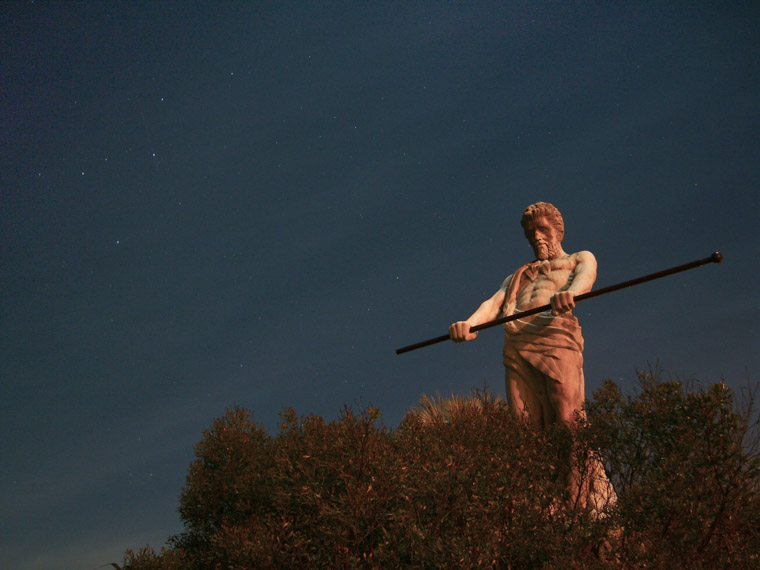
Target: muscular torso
[[536, 290]]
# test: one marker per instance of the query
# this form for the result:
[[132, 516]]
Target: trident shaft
[[714, 258]]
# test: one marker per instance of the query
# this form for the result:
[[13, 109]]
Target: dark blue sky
[[216, 204]]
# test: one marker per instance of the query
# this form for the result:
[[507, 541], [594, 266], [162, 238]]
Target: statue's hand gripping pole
[[714, 258]]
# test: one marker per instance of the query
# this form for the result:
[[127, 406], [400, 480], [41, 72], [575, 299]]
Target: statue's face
[[543, 237]]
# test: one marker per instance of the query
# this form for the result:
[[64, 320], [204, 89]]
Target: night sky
[[208, 205]]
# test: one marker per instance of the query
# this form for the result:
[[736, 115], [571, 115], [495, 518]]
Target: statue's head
[[547, 210], [546, 244]]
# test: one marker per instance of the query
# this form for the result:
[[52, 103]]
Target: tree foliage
[[468, 485]]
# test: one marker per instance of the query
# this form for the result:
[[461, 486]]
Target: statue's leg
[[566, 401], [566, 397], [587, 484], [523, 385]]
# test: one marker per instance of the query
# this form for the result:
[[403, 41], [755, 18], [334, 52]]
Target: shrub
[[463, 483]]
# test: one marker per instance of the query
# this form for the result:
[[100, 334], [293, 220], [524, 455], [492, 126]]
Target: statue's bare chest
[[538, 284]]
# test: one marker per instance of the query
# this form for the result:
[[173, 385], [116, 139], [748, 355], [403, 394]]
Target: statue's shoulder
[[571, 261], [518, 271], [585, 258]]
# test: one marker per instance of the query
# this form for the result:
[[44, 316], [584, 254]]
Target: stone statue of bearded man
[[543, 353]]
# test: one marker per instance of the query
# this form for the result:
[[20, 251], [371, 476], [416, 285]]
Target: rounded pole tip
[[717, 257]]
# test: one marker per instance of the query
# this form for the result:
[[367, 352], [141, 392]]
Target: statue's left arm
[[584, 276]]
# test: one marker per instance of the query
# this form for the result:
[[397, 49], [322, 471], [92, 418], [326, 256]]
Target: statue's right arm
[[488, 311]]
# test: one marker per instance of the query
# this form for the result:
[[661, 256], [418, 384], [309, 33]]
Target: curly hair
[[544, 209]]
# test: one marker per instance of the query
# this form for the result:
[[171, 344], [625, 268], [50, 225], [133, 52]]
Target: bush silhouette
[[463, 483]]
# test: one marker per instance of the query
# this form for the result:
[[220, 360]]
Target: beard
[[545, 250]]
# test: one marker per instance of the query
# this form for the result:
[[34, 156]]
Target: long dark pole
[[714, 258]]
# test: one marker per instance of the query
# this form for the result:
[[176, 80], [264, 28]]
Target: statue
[[543, 353]]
